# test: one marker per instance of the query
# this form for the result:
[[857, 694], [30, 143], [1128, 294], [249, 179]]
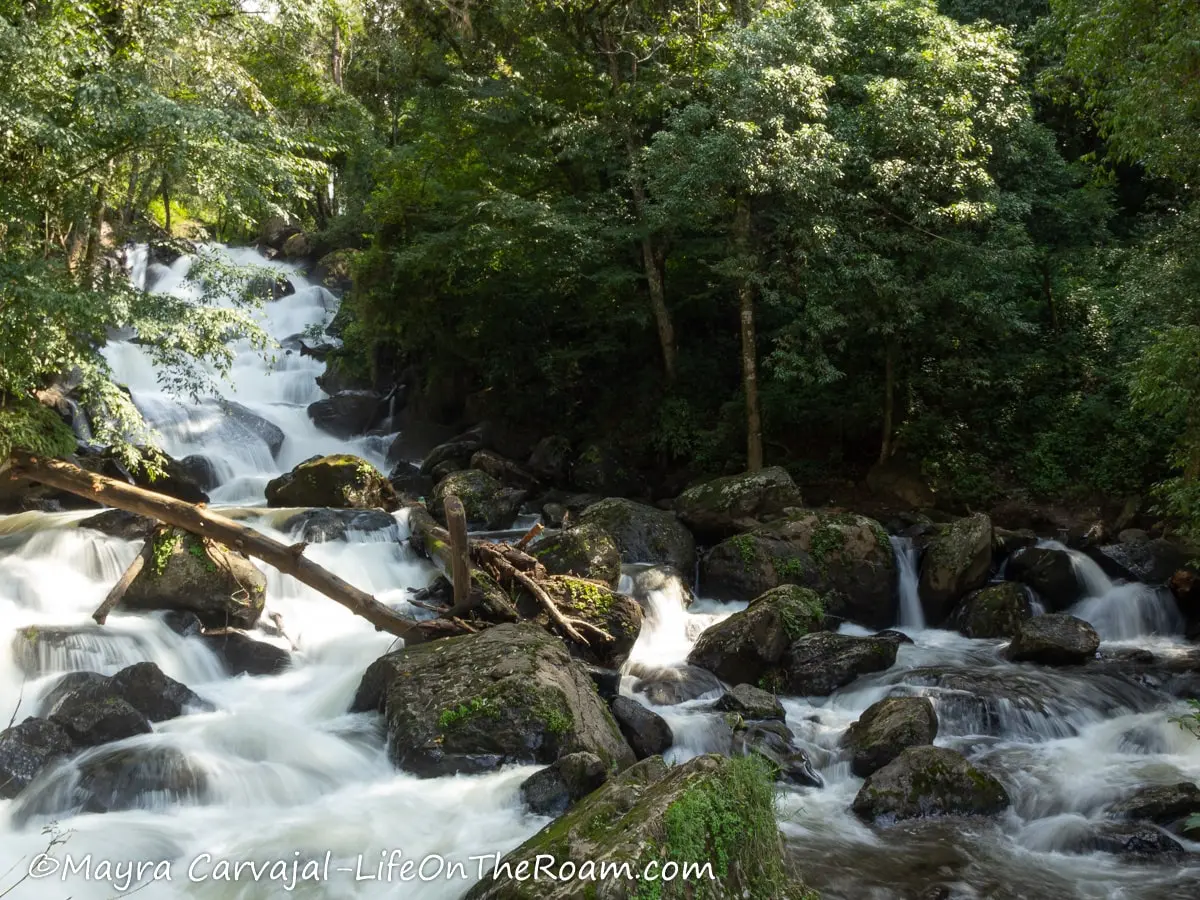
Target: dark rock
[[317, 526], [182, 622], [994, 612], [773, 742], [955, 562], [564, 782], [458, 451], [275, 231], [200, 469], [341, 481], [223, 587], [748, 644], [1142, 841], [647, 732], [335, 270], [120, 524], [896, 637], [503, 470], [644, 534], [617, 614], [1152, 561], [1168, 805], [675, 684], [902, 481], [1054, 640], [586, 551], [845, 558], [347, 414], [139, 777], [27, 749], [341, 374], [488, 503], [1050, 573], [818, 664], [928, 781], [45, 649], [407, 480], [751, 703], [551, 458], [510, 694], [92, 715], [66, 686], [726, 506], [174, 480], [598, 469], [1005, 542], [297, 247], [243, 655], [147, 689], [607, 682], [249, 422], [888, 728]]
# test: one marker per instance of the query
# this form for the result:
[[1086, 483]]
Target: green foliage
[[166, 542], [478, 706]]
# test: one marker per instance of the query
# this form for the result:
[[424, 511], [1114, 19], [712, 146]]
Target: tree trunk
[[889, 395], [95, 230], [460, 552], [335, 61], [203, 523], [166, 197], [754, 446]]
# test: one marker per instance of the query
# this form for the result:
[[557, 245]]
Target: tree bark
[[889, 402], [122, 585], [460, 551], [754, 446], [95, 230], [203, 523]]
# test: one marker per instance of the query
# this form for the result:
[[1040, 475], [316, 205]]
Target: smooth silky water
[[291, 775]]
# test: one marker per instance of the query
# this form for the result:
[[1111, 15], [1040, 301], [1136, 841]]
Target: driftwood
[[204, 523], [460, 550], [122, 585]]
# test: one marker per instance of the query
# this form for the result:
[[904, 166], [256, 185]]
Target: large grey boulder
[[818, 664], [1056, 639], [956, 561], [644, 534], [340, 481], [888, 728], [725, 506], [929, 781]]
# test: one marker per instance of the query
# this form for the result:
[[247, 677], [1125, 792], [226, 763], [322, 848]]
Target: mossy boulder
[[348, 413], [929, 781], [844, 557], [340, 481], [1171, 806], [956, 561], [994, 612], [593, 602], [1051, 574], [510, 694], [748, 644], [488, 503], [709, 809], [503, 470], [221, 586], [726, 506], [774, 742], [818, 664], [752, 703], [1054, 640], [586, 551], [888, 728], [567, 780], [336, 270], [644, 534]]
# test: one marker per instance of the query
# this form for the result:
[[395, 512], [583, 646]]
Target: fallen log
[[123, 583], [460, 554], [202, 522]]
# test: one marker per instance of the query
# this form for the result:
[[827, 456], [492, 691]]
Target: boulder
[[408, 482], [120, 524], [928, 781], [994, 612], [1006, 542], [550, 459], [888, 728], [340, 481], [27, 749], [275, 231], [503, 470], [297, 246], [510, 694], [1134, 840], [250, 422], [201, 471], [1050, 573], [241, 654], [1054, 640], [45, 649], [92, 715], [317, 526], [586, 551], [617, 614], [66, 686], [709, 809], [751, 703], [956, 561], [599, 470], [1145, 559], [647, 732], [818, 664], [726, 506], [1167, 805], [156, 696], [342, 374], [487, 502], [748, 644], [644, 534], [846, 558], [672, 685], [335, 270], [222, 587], [347, 414], [774, 742], [174, 479], [564, 782], [458, 451]]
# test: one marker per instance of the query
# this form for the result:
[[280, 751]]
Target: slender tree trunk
[[95, 230], [741, 237], [166, 198], [889, 402], [335, 61], [1048, 293]]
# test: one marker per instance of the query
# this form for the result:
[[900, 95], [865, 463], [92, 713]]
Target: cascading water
[[287, 772]]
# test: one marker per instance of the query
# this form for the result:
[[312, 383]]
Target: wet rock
[[617, 822], [510, 694], [606, 681], [120, 524], [503, 470], [928, 781], [138, 778], [296, 247], [340, 481], [275, 231], [488, 503], [672, 685], [243, 655], [550, 459], [1145, 559], [564, 782], [1054, 640], [773, 741], [725, 506], [751, 703], [956, 561], [222, 587], [174, 480], [586, 551], [896, 637], [994, 612], [201, 471], [347, 414], [28, 748], [40, 650], [407, 481], [748, 644], [458, 451], [644, 534], [1141, 841], [66, 686], [316, 526], [846, 558], [818, 664], [1006, 542], [1168, 805], [252, 423], [342, 375], [888, 728], [646, 731], [92, 715], [599, 469], [1050, 573], [158, 697], [617, 614]]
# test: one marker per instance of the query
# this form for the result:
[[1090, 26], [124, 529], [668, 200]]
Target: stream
[[291, 775]]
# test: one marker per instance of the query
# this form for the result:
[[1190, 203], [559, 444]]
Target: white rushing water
[[290, 775]]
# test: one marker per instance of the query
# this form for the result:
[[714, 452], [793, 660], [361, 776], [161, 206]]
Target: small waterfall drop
[[912, 615]]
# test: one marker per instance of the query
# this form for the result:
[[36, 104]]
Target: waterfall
[[912, 615]]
